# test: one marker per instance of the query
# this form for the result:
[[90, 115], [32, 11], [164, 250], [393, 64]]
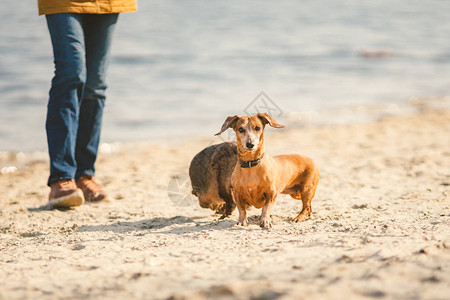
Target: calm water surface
[[180, 67]]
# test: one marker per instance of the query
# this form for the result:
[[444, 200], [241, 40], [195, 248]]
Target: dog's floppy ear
[[267, 119], [229, 122]]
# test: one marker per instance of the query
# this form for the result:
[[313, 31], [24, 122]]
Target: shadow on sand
[[186, 225]]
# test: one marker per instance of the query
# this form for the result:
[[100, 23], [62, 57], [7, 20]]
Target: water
[[181, 67]]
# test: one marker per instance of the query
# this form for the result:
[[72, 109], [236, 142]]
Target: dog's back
[[210, 173]]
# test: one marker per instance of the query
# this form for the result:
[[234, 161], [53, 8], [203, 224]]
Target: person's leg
[[65, 94], [98, 31]]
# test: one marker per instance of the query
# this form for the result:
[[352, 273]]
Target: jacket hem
[[85, 10]]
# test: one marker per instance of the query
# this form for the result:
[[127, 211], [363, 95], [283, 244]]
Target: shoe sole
[[68, 201]]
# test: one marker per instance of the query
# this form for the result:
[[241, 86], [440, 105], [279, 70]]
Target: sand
[[379, 228]]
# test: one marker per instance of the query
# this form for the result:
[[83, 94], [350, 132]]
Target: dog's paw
[[299, 218], [265, 223], [306, 212], [242, 223]]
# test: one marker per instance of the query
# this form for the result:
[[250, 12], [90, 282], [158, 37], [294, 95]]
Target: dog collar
[[251, 163]]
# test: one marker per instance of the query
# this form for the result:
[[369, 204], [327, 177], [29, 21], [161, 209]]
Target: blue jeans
[[81, 45]]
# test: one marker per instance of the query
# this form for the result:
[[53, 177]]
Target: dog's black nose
[[249, 145]]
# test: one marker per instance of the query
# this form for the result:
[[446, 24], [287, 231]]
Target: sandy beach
[[379, 228]]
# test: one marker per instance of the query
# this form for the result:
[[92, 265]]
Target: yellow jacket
[[47, 7]]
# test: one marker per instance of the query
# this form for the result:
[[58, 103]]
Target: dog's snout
[[249, 145]]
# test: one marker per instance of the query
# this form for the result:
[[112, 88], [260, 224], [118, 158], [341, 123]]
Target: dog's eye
[[257, 128], [241, 130]]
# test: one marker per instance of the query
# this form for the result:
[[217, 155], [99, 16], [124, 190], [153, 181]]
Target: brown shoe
[[65, 194], [92, 191]]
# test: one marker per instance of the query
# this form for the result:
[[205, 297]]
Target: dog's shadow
[[155, 225], [189, 224]]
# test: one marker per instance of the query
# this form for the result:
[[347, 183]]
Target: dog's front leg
[[240, 204], [265, 221]]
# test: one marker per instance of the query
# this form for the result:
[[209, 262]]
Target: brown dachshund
[[258, 178], [210, 172]]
